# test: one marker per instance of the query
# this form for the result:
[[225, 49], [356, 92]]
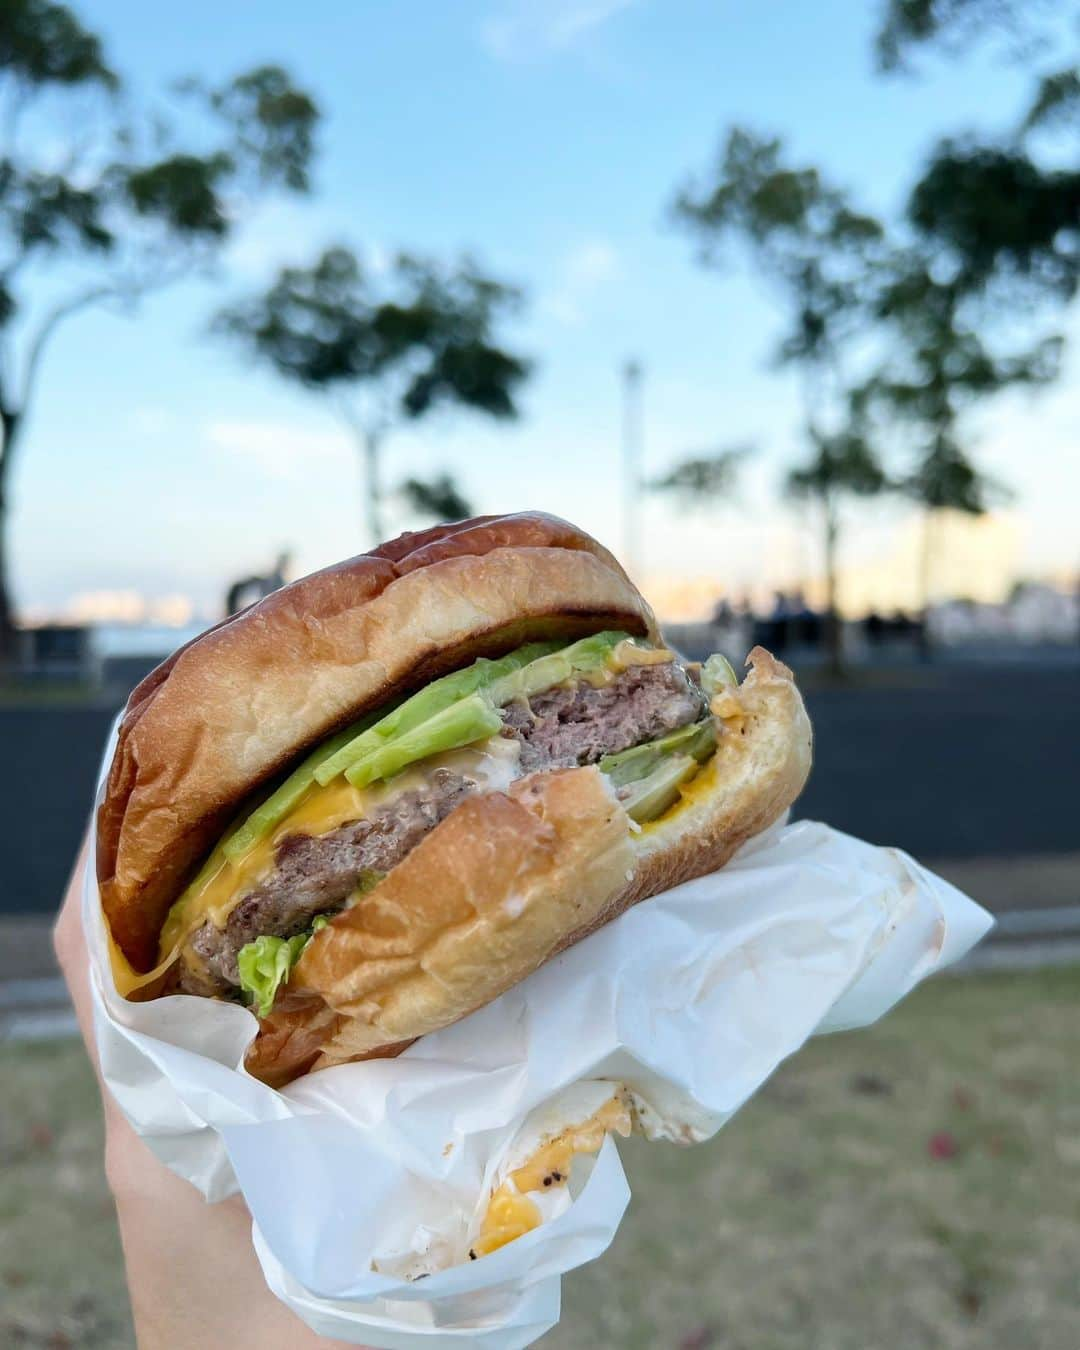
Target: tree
[[440, 498], [842, 465], [958, 24], [941, 365], [386, 349], [698, 481], [1006, 223], [822, 257], [997, 231], [124, 208]]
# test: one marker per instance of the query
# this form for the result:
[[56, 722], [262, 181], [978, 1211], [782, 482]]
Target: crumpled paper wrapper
[[362, 1177]]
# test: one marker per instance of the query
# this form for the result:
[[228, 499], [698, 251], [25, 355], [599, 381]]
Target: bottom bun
[[509, 879]]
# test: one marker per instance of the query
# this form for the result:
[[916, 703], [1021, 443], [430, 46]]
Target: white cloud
[[587, 268], [521, 29], [276, 449]]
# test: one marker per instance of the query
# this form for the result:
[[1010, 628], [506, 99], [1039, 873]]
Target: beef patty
[[317, 874]]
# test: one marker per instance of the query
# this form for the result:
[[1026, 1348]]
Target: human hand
[[193, 1278]]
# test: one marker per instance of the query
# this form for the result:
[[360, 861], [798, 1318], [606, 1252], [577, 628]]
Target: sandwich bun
[[233, 709], [508, 879]]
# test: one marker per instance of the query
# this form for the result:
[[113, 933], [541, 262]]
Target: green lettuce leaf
[[557, 667], [280, 802], [468, 720], [427, 703], [266, 964], [717, 674]]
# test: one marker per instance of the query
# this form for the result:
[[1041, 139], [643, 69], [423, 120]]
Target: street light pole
[[632, 426]]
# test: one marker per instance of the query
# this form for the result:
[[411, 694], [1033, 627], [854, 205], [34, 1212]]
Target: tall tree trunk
[[926, 566], [372, 442], [9, 431], [834, 633]]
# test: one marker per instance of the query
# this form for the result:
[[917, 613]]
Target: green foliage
[[996, 229], [134, 203], [842, 463], [1056, 101], [802, 233], [940, 366], [697, 482], [43, 43], [43, 211], [184, 192], [424, 334], [1000, 217], [439, 497], [142, 216], [272, 124], [823, 257], [390, 348], [956, 24], [945, 479], [948, 356]]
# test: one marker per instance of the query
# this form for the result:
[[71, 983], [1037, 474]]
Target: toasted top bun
[[508, 880], [230, 711]]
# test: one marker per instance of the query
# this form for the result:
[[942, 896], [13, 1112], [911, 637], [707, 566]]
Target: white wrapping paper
[[361, 1176]]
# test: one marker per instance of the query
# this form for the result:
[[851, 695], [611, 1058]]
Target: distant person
[[874, 627], [805, 622], [723, 616], [250, 590], [778, 624]]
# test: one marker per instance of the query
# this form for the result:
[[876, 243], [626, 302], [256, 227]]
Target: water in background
[[119, 639]]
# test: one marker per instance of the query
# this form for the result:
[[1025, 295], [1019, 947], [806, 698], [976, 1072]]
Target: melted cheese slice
[[492, 764], [510, 1212]]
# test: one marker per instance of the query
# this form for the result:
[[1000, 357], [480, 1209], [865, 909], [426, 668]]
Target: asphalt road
[[977, 762], [957, 763], [48, 765]]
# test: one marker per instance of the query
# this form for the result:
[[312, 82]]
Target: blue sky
[[547, 139]]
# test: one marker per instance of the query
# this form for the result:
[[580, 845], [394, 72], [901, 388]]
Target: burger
[[377, 799]]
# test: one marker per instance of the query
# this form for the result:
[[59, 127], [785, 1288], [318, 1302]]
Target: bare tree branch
[[48, 326], [375, 423]]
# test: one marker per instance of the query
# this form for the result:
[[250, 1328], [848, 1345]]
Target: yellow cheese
[[621, 657], [510, 1212], [627, 653], [213, 899], [508, 1216]]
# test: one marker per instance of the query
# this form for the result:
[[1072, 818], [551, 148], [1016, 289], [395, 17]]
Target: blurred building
[[1036, 613]]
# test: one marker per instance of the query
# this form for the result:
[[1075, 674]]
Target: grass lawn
[[915, 1185]]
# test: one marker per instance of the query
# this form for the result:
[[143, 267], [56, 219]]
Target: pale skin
[[192, 1274]]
